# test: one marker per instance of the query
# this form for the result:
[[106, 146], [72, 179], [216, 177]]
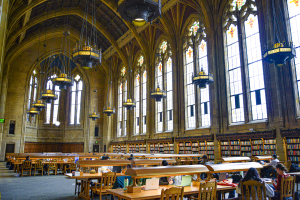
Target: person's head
[[252, 174], [204, 157], [131, 155], [274, 156], [280, 168], [165, 163], [28, 158]]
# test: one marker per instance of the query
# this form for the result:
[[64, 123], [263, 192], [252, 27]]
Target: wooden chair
[[174, 193], [207, 191], [195, 161], [77, 186], [39, 166], [252, 189], [107, 182], [178, 161], [70, 168], [52, 167], [26, 166], [287, 187]]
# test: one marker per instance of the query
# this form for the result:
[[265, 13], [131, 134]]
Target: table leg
[[85, 189]]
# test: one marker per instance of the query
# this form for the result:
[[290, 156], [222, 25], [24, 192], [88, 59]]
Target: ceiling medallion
[[32, 112], [62, 81], [139, 12], [94, 116], [202, 79], [48, 96], [158, 94], [279, 54], [39, 105]]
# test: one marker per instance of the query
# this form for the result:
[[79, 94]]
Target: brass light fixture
[[280, 51], [62, 81], [39, 105], [94, 116], [202, 79], [86, 53], [139, 12], [32, 112], [158, 94], [48, 96]]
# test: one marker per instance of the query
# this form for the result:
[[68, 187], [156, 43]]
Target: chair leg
[[30, 172], [42, 172], [22, 173], [34, 171]]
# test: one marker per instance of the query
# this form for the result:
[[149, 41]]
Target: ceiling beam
[[26, 19], [63, 12]]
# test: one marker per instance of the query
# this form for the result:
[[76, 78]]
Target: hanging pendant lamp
[[158, 94], [62, 81], [48, 96], [202, 79], [32, 112], [139, 12], [279, 54], [39, 105], [94, 116]]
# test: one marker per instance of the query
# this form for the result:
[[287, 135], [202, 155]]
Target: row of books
[[293, 140], [293, 152], [293, 146], [245, 148]]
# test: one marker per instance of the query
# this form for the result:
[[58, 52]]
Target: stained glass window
[[120, 112], [238, 3], [294, 16], [169, 75], [190, 89], [76, 95], [144, 96], [137, 106], [195, 28], [141, 61], [204, 93], [235, 77], [125, 110], [255, 67], [159, 105], [123, 71], [164, 46]]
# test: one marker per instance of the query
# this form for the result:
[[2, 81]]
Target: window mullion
[[244, 69], [164, 82]]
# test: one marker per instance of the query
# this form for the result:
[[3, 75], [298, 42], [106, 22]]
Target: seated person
[[281, 171], [28, 158], [105, 168], [271, 166], [131, 157], [165, 180], [252, 174]]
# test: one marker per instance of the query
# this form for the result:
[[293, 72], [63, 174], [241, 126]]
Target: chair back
[[208, 191], [287, 187], [178, 161], [288, 165], [39, 164], [108, 180], [52, 164], [253, 190], [26, 164], [174, 193], [195, 161]]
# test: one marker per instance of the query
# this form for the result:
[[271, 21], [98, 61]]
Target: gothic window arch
[[164, 79], [32, 91], [122, 97], [140, 92], [294, 18], [245, 77], [197, 114], [76, 99]]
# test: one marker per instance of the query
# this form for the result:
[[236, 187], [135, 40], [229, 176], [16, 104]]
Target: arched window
[[198, 115], [144, 96], [164, 79], [245, 70], [52, 113], [120, 108], [294, 16], [32, 92], [76, 95], [122, 97], [137, 104]]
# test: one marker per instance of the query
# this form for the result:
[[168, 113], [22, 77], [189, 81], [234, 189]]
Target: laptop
[[185, 181], [152, 184], [222, 176]]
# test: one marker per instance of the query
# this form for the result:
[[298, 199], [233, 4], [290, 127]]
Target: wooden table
[[155, 194], [235, 159], [85, 182]]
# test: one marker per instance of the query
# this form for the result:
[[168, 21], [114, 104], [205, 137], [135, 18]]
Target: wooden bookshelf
[[118, 147], [247, 144], [291, 144], [163, 146], [137, 146], [196, 145]]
